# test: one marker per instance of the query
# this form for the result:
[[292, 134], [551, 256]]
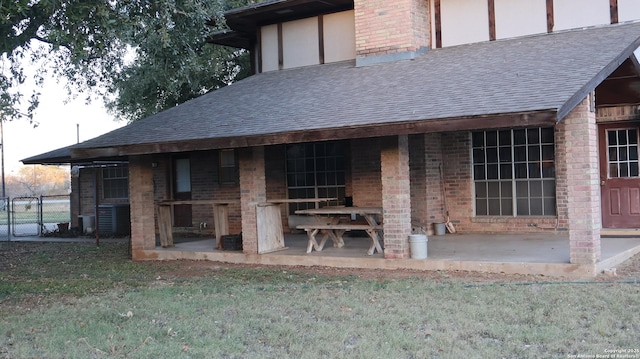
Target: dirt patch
[[628, 271]]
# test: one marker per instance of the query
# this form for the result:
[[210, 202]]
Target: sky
[[58, 126]]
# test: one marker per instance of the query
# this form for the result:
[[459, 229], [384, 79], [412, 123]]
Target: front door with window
[[620, 183], [182, 191]]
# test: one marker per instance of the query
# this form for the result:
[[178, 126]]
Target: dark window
[[514, 172], [228, 168], [315, 170]]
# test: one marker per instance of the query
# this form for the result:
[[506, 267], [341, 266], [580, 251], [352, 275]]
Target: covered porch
[[518, 156], [545, 254]]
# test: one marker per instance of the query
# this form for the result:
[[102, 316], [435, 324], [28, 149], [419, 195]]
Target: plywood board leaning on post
[[270, 231]]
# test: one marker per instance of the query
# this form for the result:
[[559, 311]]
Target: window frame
[[110, 181], [328, 172], [516, 174], [224, 168]]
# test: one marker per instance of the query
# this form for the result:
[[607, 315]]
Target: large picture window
[[115, 182], [514, 172], [315, 170]]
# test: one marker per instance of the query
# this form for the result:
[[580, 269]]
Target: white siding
[[269, 51], [464, 21], [572, 14], [339, 36], [300, 44], [520, 17], [628, 10]]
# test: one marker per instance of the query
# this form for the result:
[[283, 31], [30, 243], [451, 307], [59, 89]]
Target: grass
[[78, 301], [34, 217]]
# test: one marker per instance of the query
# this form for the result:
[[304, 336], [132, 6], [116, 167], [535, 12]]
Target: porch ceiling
[[518, 82]]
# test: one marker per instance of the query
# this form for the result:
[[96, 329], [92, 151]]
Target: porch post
[[396, 195], [578, 136], [143, 232], [253, 189]]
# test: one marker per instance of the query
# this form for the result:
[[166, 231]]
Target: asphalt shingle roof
[[544, 72], [57, 156]]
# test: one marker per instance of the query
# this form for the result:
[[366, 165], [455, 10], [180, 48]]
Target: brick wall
[[456, 169], [143, 234], [85, 187], [419, 190], [386, 27], [396, 195], [582, 184], [433, 168], [365, 172], [205, 184]]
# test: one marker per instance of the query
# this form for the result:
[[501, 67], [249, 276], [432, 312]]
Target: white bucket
[[418, 246], [440, 229]]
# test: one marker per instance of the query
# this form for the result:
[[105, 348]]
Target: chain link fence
[[5, 220], [55, 213], [34, 216]]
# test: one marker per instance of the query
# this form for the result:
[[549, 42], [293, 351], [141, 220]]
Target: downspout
[[95, 198]]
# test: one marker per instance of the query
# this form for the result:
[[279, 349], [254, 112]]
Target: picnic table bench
[[327, 223]]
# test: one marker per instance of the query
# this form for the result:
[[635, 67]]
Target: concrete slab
[[538, 254]]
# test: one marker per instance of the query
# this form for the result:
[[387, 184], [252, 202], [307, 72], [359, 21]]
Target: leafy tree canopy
[[138, 56]]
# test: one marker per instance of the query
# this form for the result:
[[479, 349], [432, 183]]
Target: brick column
[[577, 138], [143, 233], [396, 195], [253, 189]]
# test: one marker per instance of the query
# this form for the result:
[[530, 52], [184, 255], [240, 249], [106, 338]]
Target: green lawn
[[33, 217], [78, 301]]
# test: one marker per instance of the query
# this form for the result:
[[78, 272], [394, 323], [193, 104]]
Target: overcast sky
[[57, 126]]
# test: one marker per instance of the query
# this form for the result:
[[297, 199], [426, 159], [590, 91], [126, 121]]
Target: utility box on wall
[[114, 219]]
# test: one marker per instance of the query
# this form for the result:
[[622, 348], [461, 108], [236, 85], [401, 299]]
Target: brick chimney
[[391, 30]]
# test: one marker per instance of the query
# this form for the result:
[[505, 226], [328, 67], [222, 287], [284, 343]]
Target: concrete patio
[[539, 254]]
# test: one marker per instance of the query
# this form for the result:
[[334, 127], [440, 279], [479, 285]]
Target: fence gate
[[4, 219], [25, 216]]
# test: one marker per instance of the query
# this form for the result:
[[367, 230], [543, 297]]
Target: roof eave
[[540, 118]]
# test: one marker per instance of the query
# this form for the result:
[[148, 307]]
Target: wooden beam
[[438, 23], [259, 50], [492, 19], [613, 7], [550, 16], [321, 38], [509, 120], [280, 48], [636, 63]]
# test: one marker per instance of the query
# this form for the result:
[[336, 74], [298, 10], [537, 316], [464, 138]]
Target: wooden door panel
[[614, 202], [634, 201]]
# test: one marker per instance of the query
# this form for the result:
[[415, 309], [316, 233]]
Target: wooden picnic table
[[220, 218], [327, 223]]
